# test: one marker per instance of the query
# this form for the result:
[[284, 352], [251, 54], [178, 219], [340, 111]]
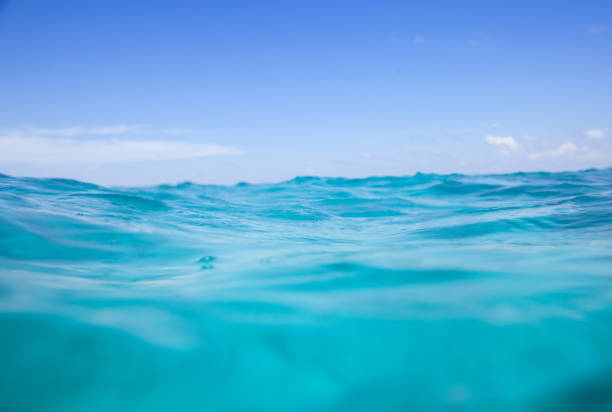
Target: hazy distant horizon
[[273, 182]]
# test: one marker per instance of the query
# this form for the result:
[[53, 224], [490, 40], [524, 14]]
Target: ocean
[[417, 293]]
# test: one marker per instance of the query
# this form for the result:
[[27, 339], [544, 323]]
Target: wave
[[424, 292]]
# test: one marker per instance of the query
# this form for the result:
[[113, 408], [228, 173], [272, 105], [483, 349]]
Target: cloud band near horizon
[[46, 150]]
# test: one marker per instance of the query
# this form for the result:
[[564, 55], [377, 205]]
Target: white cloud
[[73, 131], [111, 130], [418, 39], [563, 150], [101, 130], [597, 29], [505, 144], [45, 150], [595, 133]]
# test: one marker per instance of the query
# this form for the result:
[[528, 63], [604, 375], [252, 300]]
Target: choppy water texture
[[382, 294]]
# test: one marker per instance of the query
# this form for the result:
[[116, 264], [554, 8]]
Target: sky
[[217, 92]]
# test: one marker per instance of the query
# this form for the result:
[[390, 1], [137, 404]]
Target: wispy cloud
[[505, 144], [112, 130], [101, 130], [596, 30], [418, 39], [394, 40], [73, 131], [179, 131], [47, 150], [564, 149], [595, 133]]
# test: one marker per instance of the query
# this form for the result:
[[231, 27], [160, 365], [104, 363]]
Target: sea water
[[426, 292]]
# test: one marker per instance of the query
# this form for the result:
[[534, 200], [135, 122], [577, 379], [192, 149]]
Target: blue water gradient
[[428, 292]]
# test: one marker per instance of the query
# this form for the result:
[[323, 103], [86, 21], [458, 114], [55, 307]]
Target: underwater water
[[427, 292]]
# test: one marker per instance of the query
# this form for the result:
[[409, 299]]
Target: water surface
[[426, 292]]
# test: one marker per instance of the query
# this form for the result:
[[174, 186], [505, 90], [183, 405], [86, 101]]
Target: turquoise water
[[426, 292]]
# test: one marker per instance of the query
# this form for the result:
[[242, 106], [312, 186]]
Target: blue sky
[[220, 92]]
